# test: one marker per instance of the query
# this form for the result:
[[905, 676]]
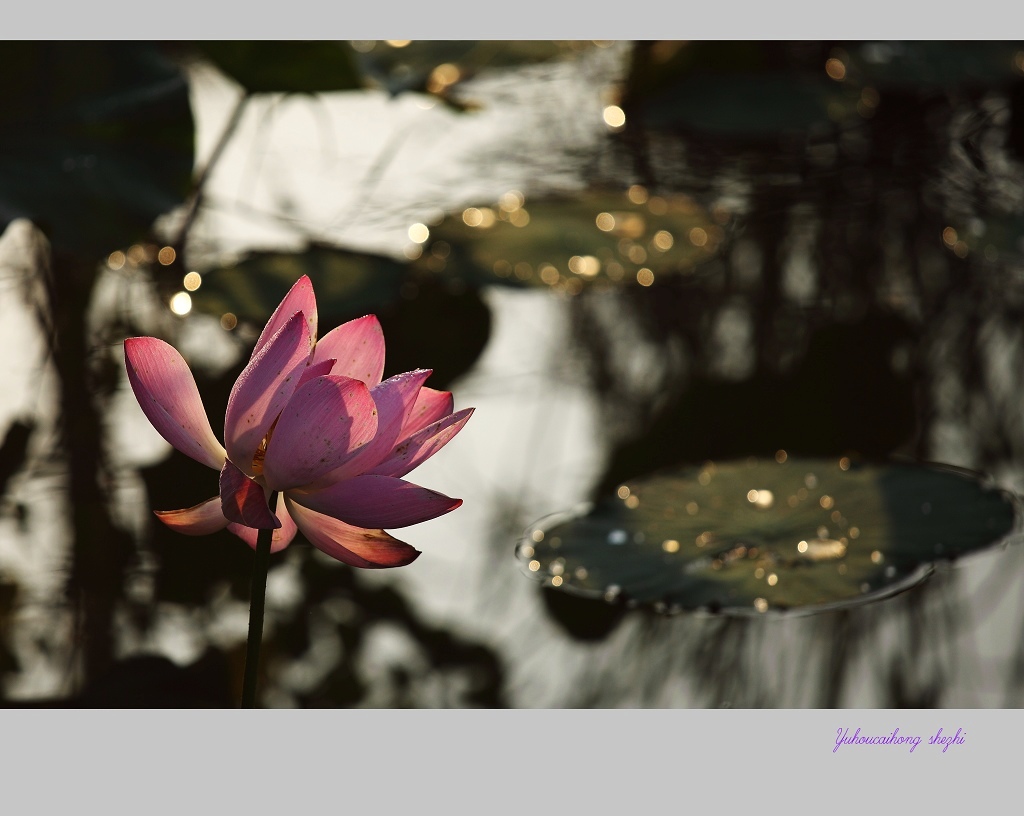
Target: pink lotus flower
[[312, 420]]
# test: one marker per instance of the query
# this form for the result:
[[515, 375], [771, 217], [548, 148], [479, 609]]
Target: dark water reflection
[[866, 299]]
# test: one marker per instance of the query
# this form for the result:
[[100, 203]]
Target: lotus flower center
[[261, 452]]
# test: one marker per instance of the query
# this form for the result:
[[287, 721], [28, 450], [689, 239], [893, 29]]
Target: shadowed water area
[[741, 322]]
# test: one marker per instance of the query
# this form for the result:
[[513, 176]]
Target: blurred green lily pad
[[96, 141], [273, 66], [619, 238], [347, 284], [935, 64], [737, 89], [435, 66], [754, 536]]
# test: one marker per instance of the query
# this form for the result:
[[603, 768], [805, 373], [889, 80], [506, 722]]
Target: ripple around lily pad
[[756, 536]]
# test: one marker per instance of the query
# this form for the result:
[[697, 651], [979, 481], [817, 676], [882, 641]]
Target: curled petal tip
[[244, 501], [202, 519]]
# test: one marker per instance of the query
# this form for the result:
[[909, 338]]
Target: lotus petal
[[203, 519], [393, 398], [413, 451], [263, 389], [328, 421], [243, 500], [316, 370], [300, 298], [167, 393], [358, 347], [376, 501], [430, 406], [355, 546], [282, 536]]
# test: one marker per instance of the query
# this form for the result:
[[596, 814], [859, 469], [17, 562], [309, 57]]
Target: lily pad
[[348, 284], [936, 65], [732, 89], [262, 66], [96, 141], [623, 238], [435, 66], [755, 536]]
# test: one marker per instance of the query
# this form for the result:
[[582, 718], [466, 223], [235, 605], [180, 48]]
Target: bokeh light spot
[[181, 304]]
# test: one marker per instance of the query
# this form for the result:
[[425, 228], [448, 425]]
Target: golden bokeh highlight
[[645, 277], [181, 304], [670, 546], [781, 456], [614, 117], [835, 69], [419, 233], [605, 222], [116, 260], [511, 201], [136, 254], [518, 218], [637, 194], [586, 266], [663, 240], [442, 77], [762, 499], [192, 281], [479, 217], [698, 236], [166, 255], [949, 236], [637, 254], [228, 321]]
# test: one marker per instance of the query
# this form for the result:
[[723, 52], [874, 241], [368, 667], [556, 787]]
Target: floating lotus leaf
[[269, 66], [625, 238], [434, 66], [96, 141], [732, 89], [935, 64], [348, 284], [753, 536]]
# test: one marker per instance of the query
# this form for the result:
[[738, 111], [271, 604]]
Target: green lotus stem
[[257, 604]]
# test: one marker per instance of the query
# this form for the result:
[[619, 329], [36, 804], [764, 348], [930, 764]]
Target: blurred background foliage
[[755, 246]]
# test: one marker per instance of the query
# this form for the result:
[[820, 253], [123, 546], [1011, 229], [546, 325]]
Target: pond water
[[626, 259]]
